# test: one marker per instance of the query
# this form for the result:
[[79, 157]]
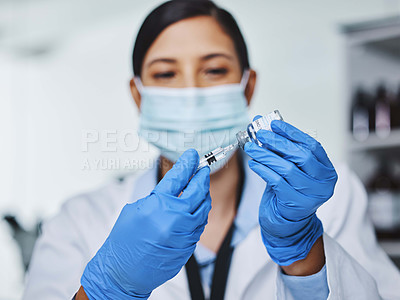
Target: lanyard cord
[[221, 270], [224, 255], [223, 261]]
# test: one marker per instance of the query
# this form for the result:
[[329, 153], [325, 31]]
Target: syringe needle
[[230, 147]]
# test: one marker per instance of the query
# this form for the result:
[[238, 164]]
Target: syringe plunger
[[215, 155]]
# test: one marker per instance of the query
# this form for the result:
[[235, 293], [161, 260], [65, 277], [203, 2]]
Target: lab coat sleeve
[[347, 279], [355, 233], [59, 257], [357, 268]]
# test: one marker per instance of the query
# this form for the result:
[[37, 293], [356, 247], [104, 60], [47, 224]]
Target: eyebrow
[[203, 58], [213, 55], [167, 60]]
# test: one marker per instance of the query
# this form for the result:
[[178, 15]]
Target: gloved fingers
[[185, 239], [269, 217], [297, 153], [298, 179], [178, 177], [169, 255], [188, 222], [291, 204], [192, 196], [273, 179], [174, 230], [294, 134], [196, 191], [200, 215]]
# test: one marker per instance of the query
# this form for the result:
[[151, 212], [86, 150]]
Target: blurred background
[[331, 67]]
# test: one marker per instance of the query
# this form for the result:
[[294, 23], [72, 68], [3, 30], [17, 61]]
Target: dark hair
[[176, 10]]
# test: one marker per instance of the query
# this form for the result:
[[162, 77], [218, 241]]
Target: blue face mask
[[175, 119]]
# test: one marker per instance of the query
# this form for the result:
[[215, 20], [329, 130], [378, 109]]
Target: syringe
[[242, 137], [215, 155]]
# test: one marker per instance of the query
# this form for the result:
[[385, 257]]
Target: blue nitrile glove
[[300, 178], [153, 237]]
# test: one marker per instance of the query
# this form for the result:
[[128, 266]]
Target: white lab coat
[[357, 268], [11, 267]]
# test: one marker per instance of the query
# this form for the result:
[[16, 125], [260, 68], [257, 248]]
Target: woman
[[192, 75]]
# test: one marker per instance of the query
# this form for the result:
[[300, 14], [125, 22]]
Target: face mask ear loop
[[138, 83], [245, 79]]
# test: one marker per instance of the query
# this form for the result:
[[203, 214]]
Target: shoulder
[[102, 201], [87, 218], [71, 238]]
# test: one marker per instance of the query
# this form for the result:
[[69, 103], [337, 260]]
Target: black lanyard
[[221, 271], [224, 255], [223, 261]]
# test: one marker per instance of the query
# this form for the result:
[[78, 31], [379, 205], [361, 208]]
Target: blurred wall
[[65, 68]]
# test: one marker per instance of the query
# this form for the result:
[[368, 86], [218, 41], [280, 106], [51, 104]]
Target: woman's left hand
[[300, 178]]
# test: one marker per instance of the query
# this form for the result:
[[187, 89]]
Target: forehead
[[193, 37]]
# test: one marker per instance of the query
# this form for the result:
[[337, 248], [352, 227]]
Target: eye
[[164, 75], [217, 71]]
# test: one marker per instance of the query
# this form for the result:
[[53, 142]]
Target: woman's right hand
[[154, 237]]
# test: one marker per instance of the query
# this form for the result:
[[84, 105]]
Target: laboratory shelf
[[382, 33], [390, 243], [370, 25], [390, 46], [374, 142], [372, 57], [392, 248]]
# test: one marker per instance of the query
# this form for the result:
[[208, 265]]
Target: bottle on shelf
[[382, 111], [362, 116], [384, 199], [395, 110]]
